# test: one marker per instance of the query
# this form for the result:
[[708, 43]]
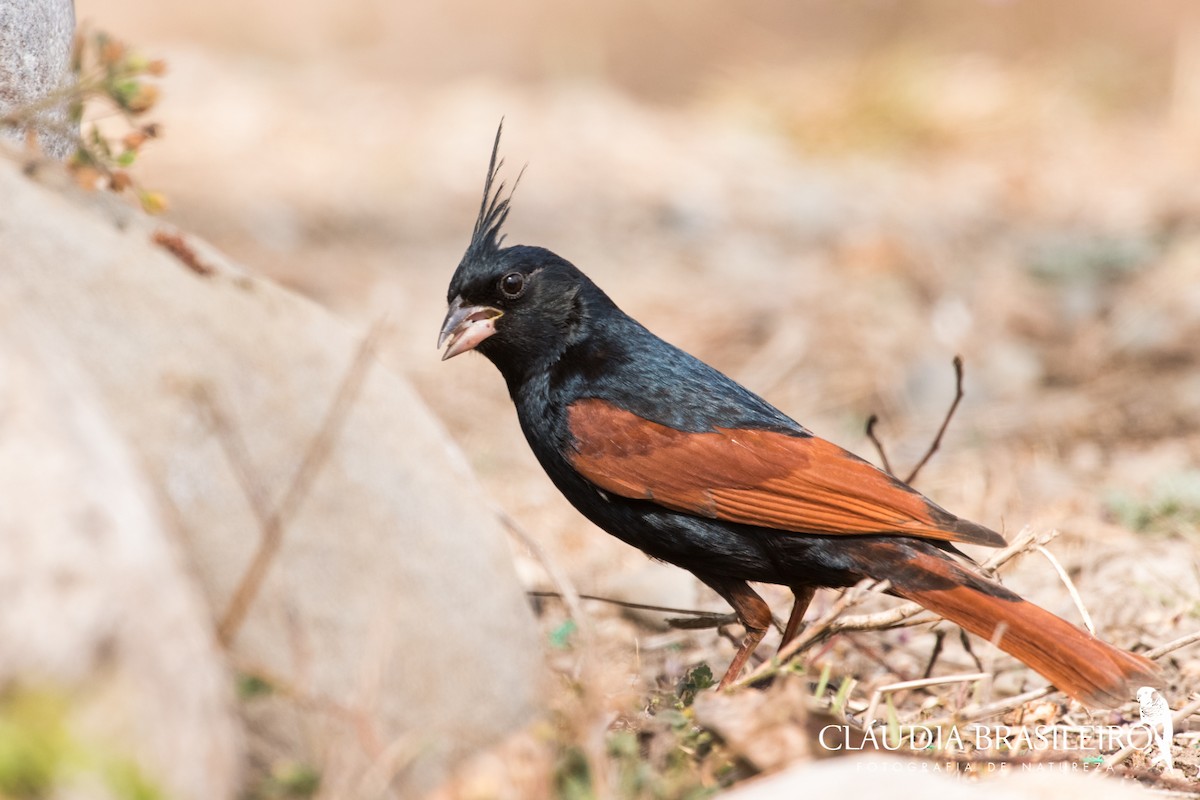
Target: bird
[[673, 457]]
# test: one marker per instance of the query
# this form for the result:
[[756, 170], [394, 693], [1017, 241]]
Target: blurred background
[[825, 200]]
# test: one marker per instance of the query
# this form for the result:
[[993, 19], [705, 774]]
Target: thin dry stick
[[973, 713], [558, 576], [706, 615], [938, 641], [273, 525], [717, 620], [1066, 579], [937, 440], [872, 421], [1026, 540], [988, 665], [877, 695], [964, 639], [1170, 647], [236, 453]]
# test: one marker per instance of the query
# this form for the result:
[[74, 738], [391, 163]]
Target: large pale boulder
[[97, 606], [389, 627]]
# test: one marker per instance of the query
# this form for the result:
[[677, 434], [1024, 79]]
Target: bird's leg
[[803, 596], [754, 614]]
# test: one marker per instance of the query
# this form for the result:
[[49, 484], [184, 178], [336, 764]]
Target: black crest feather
[[486, 238]]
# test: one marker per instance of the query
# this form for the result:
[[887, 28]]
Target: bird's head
[[519, 306]]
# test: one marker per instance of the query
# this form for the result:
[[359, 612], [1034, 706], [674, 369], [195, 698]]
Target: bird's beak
[[466, 326]]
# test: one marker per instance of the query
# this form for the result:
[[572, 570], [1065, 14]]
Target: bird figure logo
[[1156, 717]]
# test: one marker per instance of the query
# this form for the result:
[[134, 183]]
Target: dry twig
[[712, 617], [937, 440], [873, 420], [1170, 647], [558, 576], [974, 713], [877, 695], [1066, 579], [272, 522]]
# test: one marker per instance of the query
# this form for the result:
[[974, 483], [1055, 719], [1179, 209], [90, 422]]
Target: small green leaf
[[34, 743], [843, 694], [893, 723], [122, 92], [823, 682], [100, 144], [697, 680], [253, 686], [623, 744], [573, 778], [293, 780], [129, 783], [560, 637]]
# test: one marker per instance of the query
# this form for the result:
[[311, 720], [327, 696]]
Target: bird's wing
[[755, 477]]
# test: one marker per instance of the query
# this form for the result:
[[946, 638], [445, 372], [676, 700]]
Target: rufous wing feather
[[790, 482]]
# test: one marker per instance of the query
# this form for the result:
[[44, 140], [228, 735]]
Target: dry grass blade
[[974, 713], [1172, 646], [558, 576], [272, 523], [1066, 579], [878, 694]]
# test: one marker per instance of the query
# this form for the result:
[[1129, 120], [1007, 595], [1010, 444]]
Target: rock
[[36, 37], [767, 730], [98, 606], [389, 636]]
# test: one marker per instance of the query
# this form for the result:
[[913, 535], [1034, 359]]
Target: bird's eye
[[512, 285]]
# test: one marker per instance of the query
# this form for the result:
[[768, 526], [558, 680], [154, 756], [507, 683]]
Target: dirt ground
[[828, 207]]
